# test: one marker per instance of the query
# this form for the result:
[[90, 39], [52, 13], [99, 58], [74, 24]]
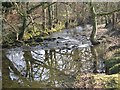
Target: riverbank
[[100, 81]]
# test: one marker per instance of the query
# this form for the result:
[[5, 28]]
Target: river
[[54, 63]]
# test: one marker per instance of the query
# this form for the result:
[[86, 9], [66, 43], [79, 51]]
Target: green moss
[[115, 69], [112, 65], [99, 80], [117, 52], [111, 62], [108, 81], [31, 32]]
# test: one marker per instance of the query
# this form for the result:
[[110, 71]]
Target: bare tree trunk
[[24, 18], [56, 13], [113, 21], [43, 17], [106, 17], [67, 18], [53, 15], [53, 9], [22, 31], [50, 18], [95, 62], [106, 21], [94, 22]]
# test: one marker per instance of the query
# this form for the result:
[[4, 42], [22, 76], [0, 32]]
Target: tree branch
[[18, 9], [39, 5], [107, 13], [49, 5], [31, 20], [33, 8], [10, 24]]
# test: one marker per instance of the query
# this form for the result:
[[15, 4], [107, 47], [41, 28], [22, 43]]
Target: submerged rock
[[38, 40]]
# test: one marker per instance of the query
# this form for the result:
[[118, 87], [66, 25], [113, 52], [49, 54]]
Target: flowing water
[[54, 63]]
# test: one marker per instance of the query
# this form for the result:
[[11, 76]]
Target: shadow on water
[[53, 67]]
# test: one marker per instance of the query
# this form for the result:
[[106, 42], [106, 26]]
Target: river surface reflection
[[50, 66]]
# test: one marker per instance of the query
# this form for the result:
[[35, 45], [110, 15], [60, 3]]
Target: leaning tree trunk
[[24, 19], [94, 22], [20, 36]]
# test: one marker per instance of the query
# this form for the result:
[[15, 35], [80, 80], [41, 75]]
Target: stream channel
[[54, 63]]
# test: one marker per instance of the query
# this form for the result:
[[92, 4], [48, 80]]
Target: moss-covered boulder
[[115, 69], [113, 65]]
